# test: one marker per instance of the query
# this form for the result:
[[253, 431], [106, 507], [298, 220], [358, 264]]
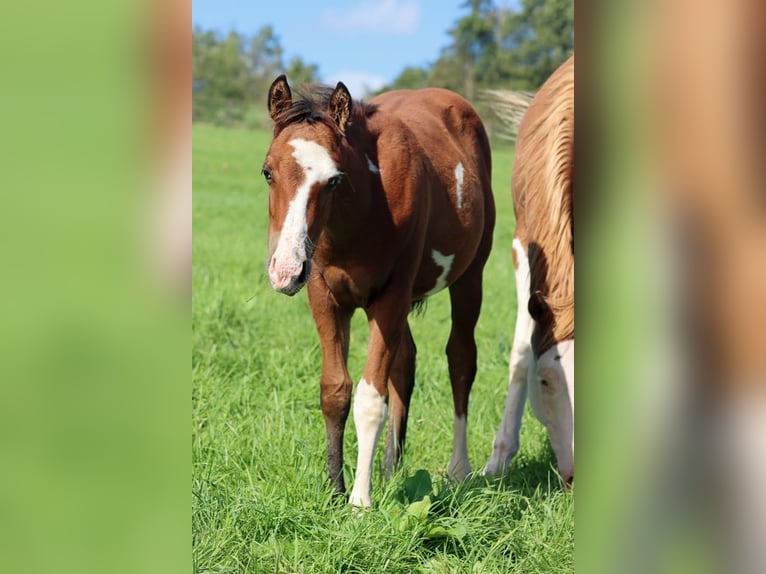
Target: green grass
[[261, 501]]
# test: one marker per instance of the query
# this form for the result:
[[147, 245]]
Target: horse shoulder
[[400, 162]]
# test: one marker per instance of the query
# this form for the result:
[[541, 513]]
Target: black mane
[[311, 106]]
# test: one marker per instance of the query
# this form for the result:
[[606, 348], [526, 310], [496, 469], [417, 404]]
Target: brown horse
[[379, 205], [542, 358]]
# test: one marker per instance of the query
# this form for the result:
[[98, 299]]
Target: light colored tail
[[510, 107]]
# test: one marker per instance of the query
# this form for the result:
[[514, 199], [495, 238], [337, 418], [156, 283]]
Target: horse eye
[[334, 181], [544, 383], [267, 174]]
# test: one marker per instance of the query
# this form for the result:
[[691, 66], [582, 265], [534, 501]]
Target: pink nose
[[273, 269], [287, 278], [280, 275]]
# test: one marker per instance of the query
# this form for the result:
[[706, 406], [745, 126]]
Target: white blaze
[[459, 178], [445, 262], [369, 415], [291, 250]]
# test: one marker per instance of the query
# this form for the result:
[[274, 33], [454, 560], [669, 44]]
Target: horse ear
[[339, 107], [537, 306], [280, 97]]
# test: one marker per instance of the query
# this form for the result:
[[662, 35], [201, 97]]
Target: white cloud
[[360, 84], [380, 17]]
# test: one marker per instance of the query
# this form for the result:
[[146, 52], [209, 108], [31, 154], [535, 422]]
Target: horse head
[[302, 170], [551, 380]]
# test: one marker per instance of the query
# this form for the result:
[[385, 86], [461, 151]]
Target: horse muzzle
[[289, 279]]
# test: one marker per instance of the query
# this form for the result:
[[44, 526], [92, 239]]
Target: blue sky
[[361, 42]]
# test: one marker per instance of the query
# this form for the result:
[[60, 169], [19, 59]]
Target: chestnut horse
[[542, 357], [379, 205]]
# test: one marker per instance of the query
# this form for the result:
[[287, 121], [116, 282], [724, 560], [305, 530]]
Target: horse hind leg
[[465, 299], [506, 443], [401, 381]]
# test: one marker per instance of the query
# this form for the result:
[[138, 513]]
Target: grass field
[[261, 500]]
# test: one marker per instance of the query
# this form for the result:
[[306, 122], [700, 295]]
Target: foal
[[376, 206]]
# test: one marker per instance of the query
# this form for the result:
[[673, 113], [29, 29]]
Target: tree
[[231, 75], [500, 48], [264, 59], [219, 74], [299, 73], [473, 40], [541, 37], [411, 78]]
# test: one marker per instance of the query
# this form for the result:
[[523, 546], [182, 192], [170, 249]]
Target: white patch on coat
[[459, 467], [371, 166], [369, 415], [445, 262], [552, 402], [459, 178], [290, 253], [506, 443]]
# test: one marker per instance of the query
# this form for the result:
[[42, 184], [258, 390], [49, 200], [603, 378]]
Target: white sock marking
[[369, 415], [459, 178], [459, 467], [506, 442], [371, 166], [317, 166], [445, 262]]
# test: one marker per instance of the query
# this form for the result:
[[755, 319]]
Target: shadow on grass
[[452, 517], [528, 475]]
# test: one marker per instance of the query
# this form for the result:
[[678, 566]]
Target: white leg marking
[[445, 262], [369, 415], [506, 442], [291, 250], [737, 465], [459, 467], [459, 178], [371, 166]]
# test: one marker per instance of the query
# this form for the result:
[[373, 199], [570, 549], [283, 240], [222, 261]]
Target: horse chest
[[348, 289]]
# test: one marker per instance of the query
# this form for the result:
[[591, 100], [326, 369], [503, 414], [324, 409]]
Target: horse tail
[[509, 106]]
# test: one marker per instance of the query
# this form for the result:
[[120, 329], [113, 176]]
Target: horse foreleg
[[506, 443], [388, 321], [333, 326]]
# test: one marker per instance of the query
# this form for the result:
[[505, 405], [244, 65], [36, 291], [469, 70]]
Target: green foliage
[[542, 37], [473, 43], [300, 73], [261, 501], [497, 48], [231, 75], [411, 78]]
